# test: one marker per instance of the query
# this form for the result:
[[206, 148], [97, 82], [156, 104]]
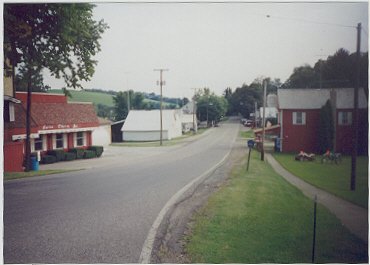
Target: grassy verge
[[174, 141], [247, 134], [334, 178], [18, 175], [257, 217]]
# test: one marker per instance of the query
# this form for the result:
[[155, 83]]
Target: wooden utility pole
[[161, 83], [194, 110], [263, 120], [355, 111]]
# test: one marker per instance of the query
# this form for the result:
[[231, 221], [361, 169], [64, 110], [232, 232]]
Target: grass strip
[[334, 178], [18, 175], [247, 134], [258, 217]]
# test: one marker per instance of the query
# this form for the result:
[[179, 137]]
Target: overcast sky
[[217, 45]]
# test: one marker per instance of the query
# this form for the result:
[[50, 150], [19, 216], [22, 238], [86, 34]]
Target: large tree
[[60, 37]]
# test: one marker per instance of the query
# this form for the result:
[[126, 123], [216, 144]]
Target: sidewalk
[[354, 217]]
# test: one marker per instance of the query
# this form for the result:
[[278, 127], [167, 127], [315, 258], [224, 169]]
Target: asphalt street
[[103, 214]]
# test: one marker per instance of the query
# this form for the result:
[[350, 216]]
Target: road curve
[[104, 214]]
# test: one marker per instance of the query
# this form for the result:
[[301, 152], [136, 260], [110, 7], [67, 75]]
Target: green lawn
[[87, 96], [334, 178], [257, 217], [18, 175]]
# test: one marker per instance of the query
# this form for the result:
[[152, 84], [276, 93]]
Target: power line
[[311, 21]]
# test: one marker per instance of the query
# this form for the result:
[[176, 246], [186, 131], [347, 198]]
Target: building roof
[[64, 114], [307, 98], [149, 120], [20, 118]]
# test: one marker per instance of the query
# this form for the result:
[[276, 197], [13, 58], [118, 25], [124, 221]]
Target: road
[[102, 214]]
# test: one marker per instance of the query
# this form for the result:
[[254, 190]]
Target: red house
[[55, 124], [299, 115]]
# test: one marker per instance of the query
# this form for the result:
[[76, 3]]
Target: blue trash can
[[34, 163]]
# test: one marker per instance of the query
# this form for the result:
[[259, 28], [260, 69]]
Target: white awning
[[23, 136], [68, 130]]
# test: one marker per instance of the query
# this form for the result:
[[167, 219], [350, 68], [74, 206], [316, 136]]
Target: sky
[[217, 45]]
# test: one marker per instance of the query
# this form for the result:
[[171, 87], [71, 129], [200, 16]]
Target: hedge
[[59, 154], [98, 150], [68, 156], [48, 159], [89, 154], [78, 151]]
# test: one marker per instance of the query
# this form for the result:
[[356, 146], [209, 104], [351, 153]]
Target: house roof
[[149, 120], [307, 98], [20, 118], [63, 113]]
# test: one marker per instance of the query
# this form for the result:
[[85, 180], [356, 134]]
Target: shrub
[[59, 154], [89, 154], [48, 159], [68, 156], [78, 151], [98, 150]]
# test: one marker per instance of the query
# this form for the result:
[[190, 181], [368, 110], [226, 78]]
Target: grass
[[257, 217], [334, 178], [247, 134], [87, 96], [18, 175]]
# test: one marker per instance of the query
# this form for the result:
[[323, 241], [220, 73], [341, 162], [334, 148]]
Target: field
[[87, 96]]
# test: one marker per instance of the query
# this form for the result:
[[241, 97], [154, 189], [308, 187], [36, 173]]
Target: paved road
[[102, 214]]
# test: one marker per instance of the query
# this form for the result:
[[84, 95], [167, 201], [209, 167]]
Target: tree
[[121, 103], [326, 128], [302, 77], [37, 81], [210, 105], [60, 37], [244, 98]]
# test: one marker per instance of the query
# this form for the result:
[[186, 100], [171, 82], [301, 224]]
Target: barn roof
[[149, 120], [307, 98]]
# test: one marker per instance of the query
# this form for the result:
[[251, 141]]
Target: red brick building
[[55, 124], [299, 115]]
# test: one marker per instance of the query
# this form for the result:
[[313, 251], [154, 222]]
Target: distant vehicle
[[248, 123]]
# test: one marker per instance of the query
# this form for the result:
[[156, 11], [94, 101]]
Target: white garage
[[144, 125]]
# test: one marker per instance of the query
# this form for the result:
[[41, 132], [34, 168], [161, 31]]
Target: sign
[[250, 143]]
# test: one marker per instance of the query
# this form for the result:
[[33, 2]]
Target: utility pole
[[195, 91], [263, 120], [355, 111], [161, 83]]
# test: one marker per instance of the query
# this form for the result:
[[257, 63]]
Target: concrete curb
[[147, 248]]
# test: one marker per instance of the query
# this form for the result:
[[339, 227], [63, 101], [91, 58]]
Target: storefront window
[[38, 144], [59, 141], [80, 139]]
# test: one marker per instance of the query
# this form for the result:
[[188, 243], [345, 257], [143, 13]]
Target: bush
[[48, 159], [68, 156], [98, 150], [59, 154], [78, 151], [89, 154]]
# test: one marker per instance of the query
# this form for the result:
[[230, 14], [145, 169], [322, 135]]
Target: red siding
[[300, 137], [41, 98], [13, 156]]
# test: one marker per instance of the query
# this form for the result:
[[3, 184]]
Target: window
[[59, 140], [299, 118], [344, 118], [38, 144], [80, 139]]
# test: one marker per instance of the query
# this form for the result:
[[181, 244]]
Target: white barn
[[102, 135], [144, 125]]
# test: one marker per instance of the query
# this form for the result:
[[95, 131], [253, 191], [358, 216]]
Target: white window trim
[[64, 141], [11, 111], [75, 139], [349, 118], [44, 143], [295, 118]]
